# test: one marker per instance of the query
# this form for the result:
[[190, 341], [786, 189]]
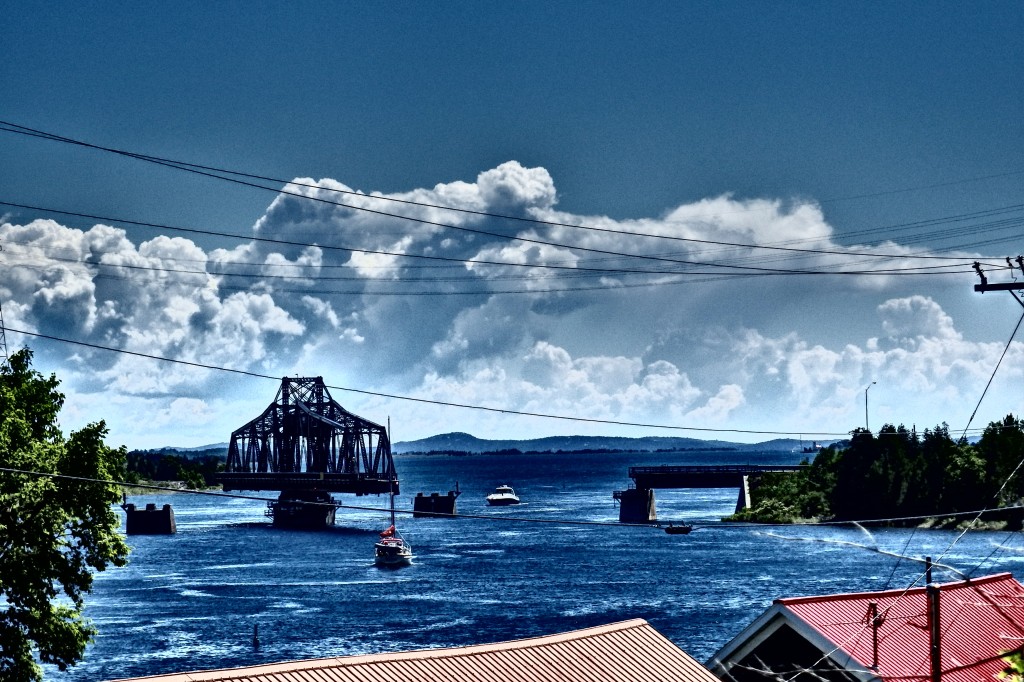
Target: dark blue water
[[190, 601]]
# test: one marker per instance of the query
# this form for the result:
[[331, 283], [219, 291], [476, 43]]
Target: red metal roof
[[630, 651], [979, 619]]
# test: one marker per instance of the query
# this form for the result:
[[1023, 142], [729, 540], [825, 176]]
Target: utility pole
[[934, 632], [1012, 287], [866, 426]]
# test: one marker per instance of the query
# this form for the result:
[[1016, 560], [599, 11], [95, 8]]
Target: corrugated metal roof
[[620, 652], [979, 618]]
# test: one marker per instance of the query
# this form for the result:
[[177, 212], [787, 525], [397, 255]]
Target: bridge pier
[[149, 521], [435, 504], [310, 510], [636, 505]]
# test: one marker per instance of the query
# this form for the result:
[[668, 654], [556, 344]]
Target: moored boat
[[502, 496]]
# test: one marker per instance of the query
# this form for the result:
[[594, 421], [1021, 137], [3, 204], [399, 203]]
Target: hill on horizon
[[464, 442]]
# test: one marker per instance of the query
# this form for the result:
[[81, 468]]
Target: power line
[[892, 574], [877, 550], [967, 265], [977, 516], [349, 249], [748, 270], [937, 185], [320, 291], [725, 525], [1006, 223], [998, 548], [666, 278], [426, 400], [883, 521], [993, 375], [212, 171], [337, 505], [486, 233], [975, 520]]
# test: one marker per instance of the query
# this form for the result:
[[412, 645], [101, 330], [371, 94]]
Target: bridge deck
[[703, 476]]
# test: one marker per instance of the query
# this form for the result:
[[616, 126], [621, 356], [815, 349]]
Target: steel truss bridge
[[306, 443]]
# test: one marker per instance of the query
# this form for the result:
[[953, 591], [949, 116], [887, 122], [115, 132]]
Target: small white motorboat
[[502, 496]]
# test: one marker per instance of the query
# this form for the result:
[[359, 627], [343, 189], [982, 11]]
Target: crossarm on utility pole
[[1002, 286]]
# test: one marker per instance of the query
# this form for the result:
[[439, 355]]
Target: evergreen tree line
[[198, 471], [898, 473]]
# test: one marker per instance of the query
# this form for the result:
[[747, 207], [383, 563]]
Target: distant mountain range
[[198, 448], [464, 442]]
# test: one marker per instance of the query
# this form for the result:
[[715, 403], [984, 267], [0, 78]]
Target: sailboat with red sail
[[392, 549]]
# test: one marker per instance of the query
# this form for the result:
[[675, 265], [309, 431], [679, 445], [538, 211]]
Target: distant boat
[[502, 496], [682, 529]]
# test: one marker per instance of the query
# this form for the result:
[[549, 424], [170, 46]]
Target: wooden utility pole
[[934, 632], [1001, 286]]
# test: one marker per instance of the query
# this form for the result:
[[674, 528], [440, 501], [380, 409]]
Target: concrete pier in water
[[636, 505], [149, 521], [435, 504]]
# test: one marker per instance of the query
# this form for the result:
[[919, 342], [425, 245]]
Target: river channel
[[190, 601]]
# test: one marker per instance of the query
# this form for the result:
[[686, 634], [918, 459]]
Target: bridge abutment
[[743, 501]]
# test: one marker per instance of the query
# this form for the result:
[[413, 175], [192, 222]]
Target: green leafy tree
[[192, 479], [966, 485], [54, 532], [898, 473], [1002, 446], [1014, 670], [884, 476], [788, 497], [856, 496], [773, 499]]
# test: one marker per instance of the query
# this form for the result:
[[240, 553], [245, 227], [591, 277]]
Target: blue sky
[[801, 121]]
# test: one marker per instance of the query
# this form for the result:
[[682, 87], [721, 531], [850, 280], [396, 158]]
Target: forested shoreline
[[899, 473], [195, 470]]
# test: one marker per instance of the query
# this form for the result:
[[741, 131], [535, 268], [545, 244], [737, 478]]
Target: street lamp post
[[866, 426]]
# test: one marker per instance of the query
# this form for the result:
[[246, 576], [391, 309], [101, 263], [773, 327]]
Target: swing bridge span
[[306, 446]]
